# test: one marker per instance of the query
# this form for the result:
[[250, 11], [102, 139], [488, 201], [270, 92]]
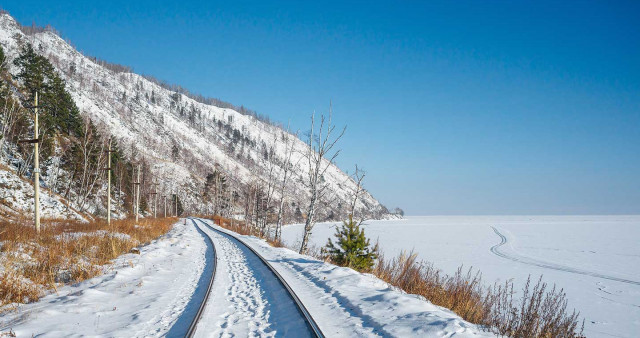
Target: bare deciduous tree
[[93, 160], [358, 177], [8, 119], [270, 158], [320, 156], [287, 168]]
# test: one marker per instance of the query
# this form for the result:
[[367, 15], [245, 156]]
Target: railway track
[[311, 325], [192, 327]]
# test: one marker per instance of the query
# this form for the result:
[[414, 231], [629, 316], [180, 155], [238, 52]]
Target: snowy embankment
[[141, 295], [152, 293]]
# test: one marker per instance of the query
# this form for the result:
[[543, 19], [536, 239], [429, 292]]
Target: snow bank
[[140, 295], [147, 295]]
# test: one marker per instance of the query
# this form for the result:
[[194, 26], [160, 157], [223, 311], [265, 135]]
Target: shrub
[[353, 248]]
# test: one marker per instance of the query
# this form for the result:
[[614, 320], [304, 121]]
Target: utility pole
[[137, 184], [155, 200], [165, 205], [36, 165], [36, 170], [133, 190], [108, 169], [231, 207]]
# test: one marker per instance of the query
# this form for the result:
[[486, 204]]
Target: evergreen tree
[[62, 114], [59, 114], [143, 203], [4, 88], [175, 153], [208, 183], [353, 248], [33, 70], [180, 208]]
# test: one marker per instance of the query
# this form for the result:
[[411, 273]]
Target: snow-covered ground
[[152, 294], [346, 303], [596, 259], [246, 298], [16, 197], [140, 295]]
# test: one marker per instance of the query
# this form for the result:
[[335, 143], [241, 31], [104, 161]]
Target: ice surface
[[597, 245]]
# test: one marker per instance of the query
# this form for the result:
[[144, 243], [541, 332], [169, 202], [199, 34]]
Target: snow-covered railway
[[247, 297]]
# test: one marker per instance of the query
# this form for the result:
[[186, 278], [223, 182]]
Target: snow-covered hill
[[16, 195], [182, 138]]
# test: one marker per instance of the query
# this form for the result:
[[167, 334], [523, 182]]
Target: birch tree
[[320, 156], [93, 159], [7, 122], [287, 168], [270, 159]]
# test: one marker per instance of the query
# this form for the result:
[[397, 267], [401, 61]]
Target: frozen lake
[[596, 259]]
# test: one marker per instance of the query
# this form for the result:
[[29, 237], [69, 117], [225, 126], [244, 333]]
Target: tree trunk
[[308, 225]]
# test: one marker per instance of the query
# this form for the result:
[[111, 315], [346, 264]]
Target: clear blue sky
[[454, 107]]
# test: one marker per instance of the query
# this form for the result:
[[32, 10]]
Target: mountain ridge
[[183, 139]]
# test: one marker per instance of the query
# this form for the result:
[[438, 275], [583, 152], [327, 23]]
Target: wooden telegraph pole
[[155, 200], [133, 190], [36, 165], [137, 184], [108, 169], [165, 205]]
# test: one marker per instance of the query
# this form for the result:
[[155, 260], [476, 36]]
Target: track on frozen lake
[[258, 299], [497, 250]]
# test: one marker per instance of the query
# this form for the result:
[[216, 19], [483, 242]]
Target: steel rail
[[196, 319], [313, 326]]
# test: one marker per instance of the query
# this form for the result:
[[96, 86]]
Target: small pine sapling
[[352, 248]]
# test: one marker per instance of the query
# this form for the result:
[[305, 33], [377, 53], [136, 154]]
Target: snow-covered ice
[[596, 259]]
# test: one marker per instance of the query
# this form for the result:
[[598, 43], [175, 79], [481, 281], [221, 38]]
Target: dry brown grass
[[540, 311], [65, 252], [462, 292]]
